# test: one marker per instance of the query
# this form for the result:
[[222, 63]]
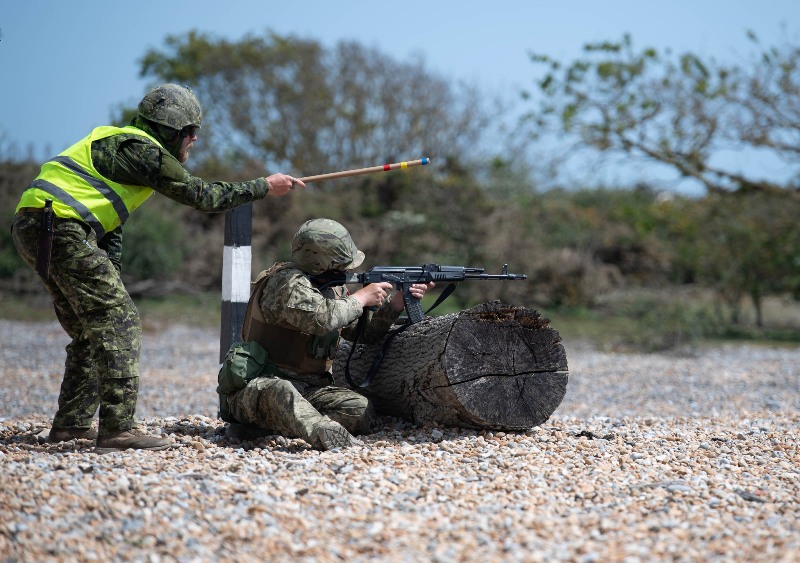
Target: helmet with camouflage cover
[[324, 244], [172, 105]]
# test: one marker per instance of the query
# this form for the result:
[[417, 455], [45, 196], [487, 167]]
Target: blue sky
[[66, 65]]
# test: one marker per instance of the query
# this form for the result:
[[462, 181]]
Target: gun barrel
[[497, 277], [426, 272]]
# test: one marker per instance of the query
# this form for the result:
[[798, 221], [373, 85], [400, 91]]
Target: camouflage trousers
[[294, 408], [95, 310]]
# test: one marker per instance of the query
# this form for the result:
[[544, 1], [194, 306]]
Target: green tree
[[294, 105], [749, 244], [290, 104], [681, 111]]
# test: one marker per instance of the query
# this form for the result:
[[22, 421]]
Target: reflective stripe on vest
[[83, 211], [81, 192]]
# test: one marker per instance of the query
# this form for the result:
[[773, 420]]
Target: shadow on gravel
[[234, 436], [34, 436]]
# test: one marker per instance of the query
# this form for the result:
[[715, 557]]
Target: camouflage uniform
[[90, 300], [295, 404]]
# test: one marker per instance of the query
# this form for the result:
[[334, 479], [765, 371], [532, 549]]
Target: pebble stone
[[689, 457]]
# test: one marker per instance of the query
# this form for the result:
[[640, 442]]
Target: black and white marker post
[[236, 271]]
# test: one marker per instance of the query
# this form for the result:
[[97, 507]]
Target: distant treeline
[[277, 103], [575, 246]]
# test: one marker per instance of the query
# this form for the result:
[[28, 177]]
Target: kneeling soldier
[[298, 323]]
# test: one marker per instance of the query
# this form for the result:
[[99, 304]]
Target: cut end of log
[[506, 365], [494, 366]]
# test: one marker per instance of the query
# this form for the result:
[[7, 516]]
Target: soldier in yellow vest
[[68, 227]]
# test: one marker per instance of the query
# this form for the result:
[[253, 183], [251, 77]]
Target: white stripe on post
[[236, 274]]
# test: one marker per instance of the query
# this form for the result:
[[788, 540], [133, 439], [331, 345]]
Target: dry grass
[[632, 318]]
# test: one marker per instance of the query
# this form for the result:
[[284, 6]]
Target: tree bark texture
[[494, 366]]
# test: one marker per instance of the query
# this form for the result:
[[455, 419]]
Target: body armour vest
[[286, 346], [80, 192]]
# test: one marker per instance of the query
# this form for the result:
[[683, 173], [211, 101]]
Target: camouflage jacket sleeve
[[133, 160], [289, 298]]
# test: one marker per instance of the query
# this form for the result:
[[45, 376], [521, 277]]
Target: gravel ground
[[649, 458]]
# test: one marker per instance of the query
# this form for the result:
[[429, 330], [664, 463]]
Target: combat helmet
[[172, 105], [323, 244]]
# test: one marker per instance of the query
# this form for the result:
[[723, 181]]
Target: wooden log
[[494, 366]]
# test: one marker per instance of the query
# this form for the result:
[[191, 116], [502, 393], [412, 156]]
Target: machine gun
[[403, 277]]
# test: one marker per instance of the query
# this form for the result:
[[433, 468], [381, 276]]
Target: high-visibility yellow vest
[[80, 192]]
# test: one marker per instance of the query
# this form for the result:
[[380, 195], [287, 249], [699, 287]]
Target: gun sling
[[378, 360]]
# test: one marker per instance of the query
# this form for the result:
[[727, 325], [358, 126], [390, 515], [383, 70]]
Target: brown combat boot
[[66, 434], [332, 435], [130, 440]]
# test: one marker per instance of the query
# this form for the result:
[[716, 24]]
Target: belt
[[26, 210], [313, 379], [56, 218]]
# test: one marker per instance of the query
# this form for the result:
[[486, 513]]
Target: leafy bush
[[15, 174], [662, 325], [154, 244], [10, 262]]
